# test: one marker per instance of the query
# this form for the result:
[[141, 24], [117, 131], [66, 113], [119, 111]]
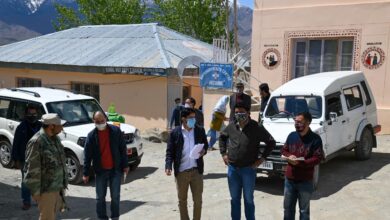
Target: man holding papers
[[186, 146], [303, 151]]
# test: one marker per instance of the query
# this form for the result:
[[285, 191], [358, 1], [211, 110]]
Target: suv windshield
[[75, 112], [289, 106]]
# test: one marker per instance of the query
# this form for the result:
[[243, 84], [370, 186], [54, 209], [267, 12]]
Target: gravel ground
[[348, 189]]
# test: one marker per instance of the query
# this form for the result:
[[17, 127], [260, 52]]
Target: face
[[177, 102], [190, 120], [300, 123], [189, 103], [240, 89], [56, 129], [32, 115], [263, 94], [241, 115], [99, 118]]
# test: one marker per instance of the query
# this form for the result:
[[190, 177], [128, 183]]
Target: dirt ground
[[348, 189]]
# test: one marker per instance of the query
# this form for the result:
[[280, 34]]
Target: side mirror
[[333, 116]]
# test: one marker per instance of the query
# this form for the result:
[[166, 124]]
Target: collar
[[185, 130]]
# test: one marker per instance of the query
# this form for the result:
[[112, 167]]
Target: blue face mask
[[191, 122]]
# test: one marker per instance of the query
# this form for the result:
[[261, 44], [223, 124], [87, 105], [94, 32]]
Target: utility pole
[[235, 29], [227, 8]]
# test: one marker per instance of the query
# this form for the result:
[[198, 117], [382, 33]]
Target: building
[[296, 38], [132, 66]]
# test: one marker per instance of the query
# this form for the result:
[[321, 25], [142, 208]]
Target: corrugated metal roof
[[134, 45]]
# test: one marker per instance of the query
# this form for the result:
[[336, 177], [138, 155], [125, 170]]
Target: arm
[[204, 141], [315, 158], [223, 139], [123, 151], [169, 156], [172, 118], [15, 153], [87, 155], [33, 168], [268, 140]]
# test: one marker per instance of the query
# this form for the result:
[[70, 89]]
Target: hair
[[240, 84], [306, 115], [177, 99], [94, 114], [30, 106], [241, 105], [192, 100], [186, 112], [264, 87]]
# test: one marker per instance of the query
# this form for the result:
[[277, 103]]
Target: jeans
[[26, 194], [242, 180], [293, 191], [213, 137], [112, 179]]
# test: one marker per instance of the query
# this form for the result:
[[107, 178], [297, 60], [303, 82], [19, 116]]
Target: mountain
[[22, 19]]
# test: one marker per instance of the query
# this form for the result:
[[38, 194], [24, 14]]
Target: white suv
[[343, 110], [76, 109]]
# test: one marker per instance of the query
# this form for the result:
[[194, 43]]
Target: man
[[175, 118], [265, 95], [45, 170], [105, 147], [191, 103], [305, 144], [239, 97], [24, 132], [188, 170], [242, 156]]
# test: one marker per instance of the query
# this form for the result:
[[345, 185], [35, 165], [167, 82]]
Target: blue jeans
[[293, 191], [213, 137], [112, 179], [26, 194], [242, 179]]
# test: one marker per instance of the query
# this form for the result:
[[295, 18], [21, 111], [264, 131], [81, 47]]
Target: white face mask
[[187, 105], [101, 127]]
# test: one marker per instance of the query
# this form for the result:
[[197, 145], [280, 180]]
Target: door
[[334, 128], [355, 110]]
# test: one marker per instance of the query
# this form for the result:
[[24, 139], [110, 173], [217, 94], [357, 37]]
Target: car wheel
[[316, 176], [5, 154], [74, 168], [364, 147], [135, 165]]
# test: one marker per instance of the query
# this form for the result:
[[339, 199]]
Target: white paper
[[297, 159], [195, 152]]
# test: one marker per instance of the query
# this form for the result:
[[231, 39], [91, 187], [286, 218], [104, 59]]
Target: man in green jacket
[[45, 171]]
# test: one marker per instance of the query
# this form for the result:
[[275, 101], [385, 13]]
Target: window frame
[[349, 108], [367, 95], [94, 94], [30, 82], [327, 112]]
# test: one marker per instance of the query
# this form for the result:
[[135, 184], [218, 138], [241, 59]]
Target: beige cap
[[52, 119]]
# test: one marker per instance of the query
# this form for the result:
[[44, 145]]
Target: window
[[353, 97], [289, 106], [333, 104], [322, 55], [4, 105], [17, 109], [90, 89], [28, 82], [368, 97]]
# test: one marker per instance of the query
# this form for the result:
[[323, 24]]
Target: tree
[[99, 12], [201, 19]]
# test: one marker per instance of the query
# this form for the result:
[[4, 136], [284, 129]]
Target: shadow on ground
[[334, 175]]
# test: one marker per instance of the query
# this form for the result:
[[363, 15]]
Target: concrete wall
[[143, 103], [370, 19]]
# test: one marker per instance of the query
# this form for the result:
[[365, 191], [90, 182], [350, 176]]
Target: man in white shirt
[[188, 167]]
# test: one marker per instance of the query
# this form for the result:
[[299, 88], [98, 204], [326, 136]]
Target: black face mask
[[299, 127], [32, 119]]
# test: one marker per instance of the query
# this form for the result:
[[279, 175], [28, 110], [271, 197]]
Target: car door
[[355, 110], [4, 106], [336, 127]]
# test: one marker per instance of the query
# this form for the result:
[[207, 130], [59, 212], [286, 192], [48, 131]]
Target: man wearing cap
[[239, 97], [45, 170]]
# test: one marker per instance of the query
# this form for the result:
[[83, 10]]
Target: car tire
[[316, 176], [135, 165], [75, 171], [364, 147], [5, 154]]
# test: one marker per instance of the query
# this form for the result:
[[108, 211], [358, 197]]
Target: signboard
[[216, 75]]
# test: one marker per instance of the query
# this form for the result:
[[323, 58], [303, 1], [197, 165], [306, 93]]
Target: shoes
[[212, 148], [26, 206]]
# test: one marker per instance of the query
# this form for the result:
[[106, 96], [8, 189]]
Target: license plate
[[129, 151], [267, 165]]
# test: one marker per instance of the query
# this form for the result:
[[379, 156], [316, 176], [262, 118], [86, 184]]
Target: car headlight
[[81, 141]]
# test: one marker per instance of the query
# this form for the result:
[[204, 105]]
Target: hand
[[168, 172], [126, 170], [85, 179], [36, 198], [292, 160], [258, 162], [225, 159]]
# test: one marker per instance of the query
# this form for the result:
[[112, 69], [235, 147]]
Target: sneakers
[[26, 206], [212, 148]]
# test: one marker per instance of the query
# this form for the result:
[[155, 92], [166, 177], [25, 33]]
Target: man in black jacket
[[239, 97], [265, 95], [242, 156], [25, 130], [188, 167], [106, 148]]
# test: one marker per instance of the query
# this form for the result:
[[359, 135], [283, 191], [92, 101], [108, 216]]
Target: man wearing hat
[[45, 170], [239, 97]]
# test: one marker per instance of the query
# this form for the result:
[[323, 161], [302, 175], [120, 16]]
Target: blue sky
[[248, 3]]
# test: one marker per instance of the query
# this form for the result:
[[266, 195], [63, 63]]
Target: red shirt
[[105, 150]]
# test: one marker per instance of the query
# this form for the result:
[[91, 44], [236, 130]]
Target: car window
[[333, 104], [367, 94], [287, 106], [353, 97], [4, 105], [18, 107]]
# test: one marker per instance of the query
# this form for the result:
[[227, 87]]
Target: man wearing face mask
[[106, 148], [303, 150], [45, 170], [242, 156], [238, 97], [188, 170], [191, 103], [24, 132]]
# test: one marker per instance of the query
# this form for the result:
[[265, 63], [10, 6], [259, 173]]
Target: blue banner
[[216, 75]]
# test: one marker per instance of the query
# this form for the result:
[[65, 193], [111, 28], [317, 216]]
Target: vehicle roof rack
[[25, 91]]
